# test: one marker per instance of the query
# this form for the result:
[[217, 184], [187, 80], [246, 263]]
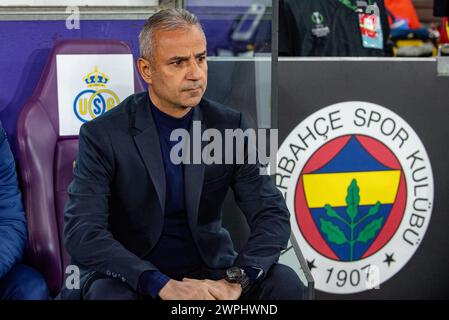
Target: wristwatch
[[237, 275]]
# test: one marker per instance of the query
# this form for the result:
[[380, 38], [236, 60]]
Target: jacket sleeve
[[86, 214], [265, 211], [13, 230]]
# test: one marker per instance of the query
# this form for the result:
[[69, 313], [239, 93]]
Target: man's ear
[[143, 65]]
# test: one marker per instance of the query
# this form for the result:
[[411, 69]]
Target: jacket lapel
[[194, 174], [147, 140]]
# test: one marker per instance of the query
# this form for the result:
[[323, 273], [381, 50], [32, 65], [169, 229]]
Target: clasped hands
[[193, 289]]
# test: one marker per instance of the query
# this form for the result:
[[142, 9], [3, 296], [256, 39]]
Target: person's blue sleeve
[[13, 231], [151, 282]]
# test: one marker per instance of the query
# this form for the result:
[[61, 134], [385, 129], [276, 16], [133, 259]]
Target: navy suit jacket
[[114, 215]]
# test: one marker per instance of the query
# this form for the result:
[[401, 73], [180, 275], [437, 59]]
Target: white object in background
[[89, 85]]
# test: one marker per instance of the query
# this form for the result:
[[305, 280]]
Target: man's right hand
[[185, 290]]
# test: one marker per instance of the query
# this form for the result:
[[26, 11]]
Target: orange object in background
[[403, 10]]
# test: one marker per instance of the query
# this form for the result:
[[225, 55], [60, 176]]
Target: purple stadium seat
[[46, 162]]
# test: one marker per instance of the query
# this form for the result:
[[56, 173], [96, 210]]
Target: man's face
[[178, 69]]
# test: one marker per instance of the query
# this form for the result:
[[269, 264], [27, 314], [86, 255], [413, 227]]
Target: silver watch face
[[234, 274]]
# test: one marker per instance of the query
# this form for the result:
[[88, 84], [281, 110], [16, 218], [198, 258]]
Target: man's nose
[[194, 72]]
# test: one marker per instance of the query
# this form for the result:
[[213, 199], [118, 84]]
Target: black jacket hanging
[[325, 28]]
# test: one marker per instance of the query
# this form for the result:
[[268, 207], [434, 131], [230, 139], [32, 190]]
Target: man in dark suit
[[140, 225]]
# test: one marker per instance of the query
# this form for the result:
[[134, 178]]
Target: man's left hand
[[221, 289]]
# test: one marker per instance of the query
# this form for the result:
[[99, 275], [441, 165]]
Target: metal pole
[[274, 64]]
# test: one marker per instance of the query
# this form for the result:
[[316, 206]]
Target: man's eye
[[201, 59], [177, 62]]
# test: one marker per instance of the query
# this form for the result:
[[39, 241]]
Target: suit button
[[108, 272]]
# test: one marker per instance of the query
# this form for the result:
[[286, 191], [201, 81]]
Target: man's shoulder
[[217, 112]]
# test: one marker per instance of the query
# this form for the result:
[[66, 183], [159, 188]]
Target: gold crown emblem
[[96, 79]]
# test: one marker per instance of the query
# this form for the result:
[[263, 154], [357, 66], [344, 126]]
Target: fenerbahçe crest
[[96, 99], [358, 183]]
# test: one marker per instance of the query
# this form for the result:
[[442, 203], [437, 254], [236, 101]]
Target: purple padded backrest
[[46, 161]]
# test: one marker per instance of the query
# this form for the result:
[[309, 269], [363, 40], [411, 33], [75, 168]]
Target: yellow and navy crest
[[96, 99], [350, 197]]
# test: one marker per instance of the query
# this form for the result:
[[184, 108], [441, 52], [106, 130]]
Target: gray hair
[[167, 19]]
